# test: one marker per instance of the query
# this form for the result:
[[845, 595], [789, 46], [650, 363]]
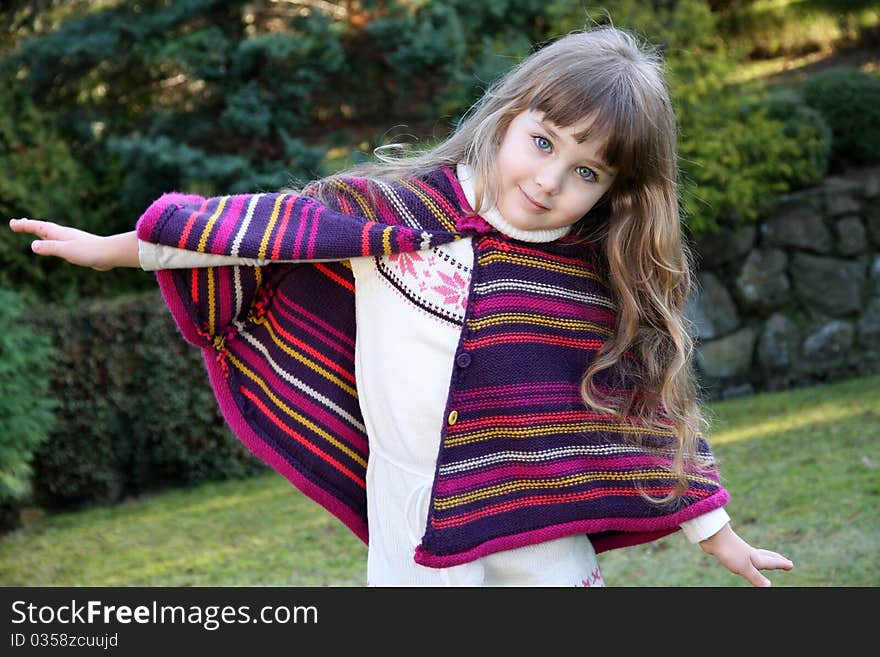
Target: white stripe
[[244, 224], [398, 204], [549, 454], [296, 383], [509, 284]]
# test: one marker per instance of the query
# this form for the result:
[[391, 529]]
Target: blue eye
[[587, 174], [542, 143]]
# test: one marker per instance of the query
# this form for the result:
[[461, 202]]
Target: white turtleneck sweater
[[425, 291]]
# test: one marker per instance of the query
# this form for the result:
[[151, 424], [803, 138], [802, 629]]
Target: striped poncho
[[278, 342]]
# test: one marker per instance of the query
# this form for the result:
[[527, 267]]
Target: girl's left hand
[[741, 558]]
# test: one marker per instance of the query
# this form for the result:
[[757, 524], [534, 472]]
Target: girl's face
[[543, 178]]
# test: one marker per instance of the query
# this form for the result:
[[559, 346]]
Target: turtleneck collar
[[493, 216]]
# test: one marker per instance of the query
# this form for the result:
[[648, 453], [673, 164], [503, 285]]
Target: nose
[[548, 179]]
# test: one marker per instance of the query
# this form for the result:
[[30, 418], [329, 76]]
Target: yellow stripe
[[209, 273], [559, 482], [296, 416], [530, 261], [386, 241], [540, 320], [275, 212], [207, 230], [365, 207], [548, 429], [432, 206], [309, 363]]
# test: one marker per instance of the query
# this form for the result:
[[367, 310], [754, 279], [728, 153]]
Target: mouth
[[532, 201]]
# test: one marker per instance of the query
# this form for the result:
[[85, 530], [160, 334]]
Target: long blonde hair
[[606, 75]]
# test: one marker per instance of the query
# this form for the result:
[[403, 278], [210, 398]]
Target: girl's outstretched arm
[[741, 558], [79, 247]]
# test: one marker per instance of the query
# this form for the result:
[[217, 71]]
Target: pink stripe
[[288, 206], [542, 304], [346, 339], [545, 386], [452, 484], [634, 531], [365, 237], [226, 226], [310, 253], [233, 416], [517, 402], [456, 187], [384, 212], [293, 397], [304, 211]]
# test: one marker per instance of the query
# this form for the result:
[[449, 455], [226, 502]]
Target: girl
[[477, 351]]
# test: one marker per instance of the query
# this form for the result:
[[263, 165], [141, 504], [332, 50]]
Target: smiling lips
[[532, 202]]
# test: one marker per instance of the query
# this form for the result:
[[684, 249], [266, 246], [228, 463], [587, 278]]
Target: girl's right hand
[[79, 247]]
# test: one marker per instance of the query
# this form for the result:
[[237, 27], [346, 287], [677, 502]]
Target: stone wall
[[793, 299]]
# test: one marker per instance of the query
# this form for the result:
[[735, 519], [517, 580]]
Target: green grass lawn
[[801, 467]]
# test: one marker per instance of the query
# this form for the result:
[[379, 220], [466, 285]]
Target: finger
[[754, 577], [767, 560], [46, 247], [44, 229]]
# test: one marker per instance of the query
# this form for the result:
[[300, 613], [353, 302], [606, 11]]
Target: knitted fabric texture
[[521, 459]]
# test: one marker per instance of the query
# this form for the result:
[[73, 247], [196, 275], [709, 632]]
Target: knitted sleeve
[[278, 337]]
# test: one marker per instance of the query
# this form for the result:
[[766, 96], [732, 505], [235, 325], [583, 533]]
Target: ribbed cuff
[[706, 525]]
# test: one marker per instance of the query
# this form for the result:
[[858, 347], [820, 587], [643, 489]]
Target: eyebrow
[[598, 164]]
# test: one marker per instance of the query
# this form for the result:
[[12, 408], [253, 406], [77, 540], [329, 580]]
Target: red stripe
[[288, 206], [302, 439], [190, 222], [336, 277], [493, 242], [339, 369]]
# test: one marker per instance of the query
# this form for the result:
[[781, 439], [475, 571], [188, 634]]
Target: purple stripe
[[317, 320], [320, 335], [545, 386]]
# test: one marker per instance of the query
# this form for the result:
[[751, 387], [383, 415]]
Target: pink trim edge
[[633, 531], [150, 217]]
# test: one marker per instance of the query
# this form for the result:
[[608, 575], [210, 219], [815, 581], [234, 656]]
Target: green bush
[[136, 409], [25, 405], [849, 100], [809, 138]]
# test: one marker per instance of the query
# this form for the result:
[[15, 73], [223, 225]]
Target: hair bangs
[[614, 120]]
